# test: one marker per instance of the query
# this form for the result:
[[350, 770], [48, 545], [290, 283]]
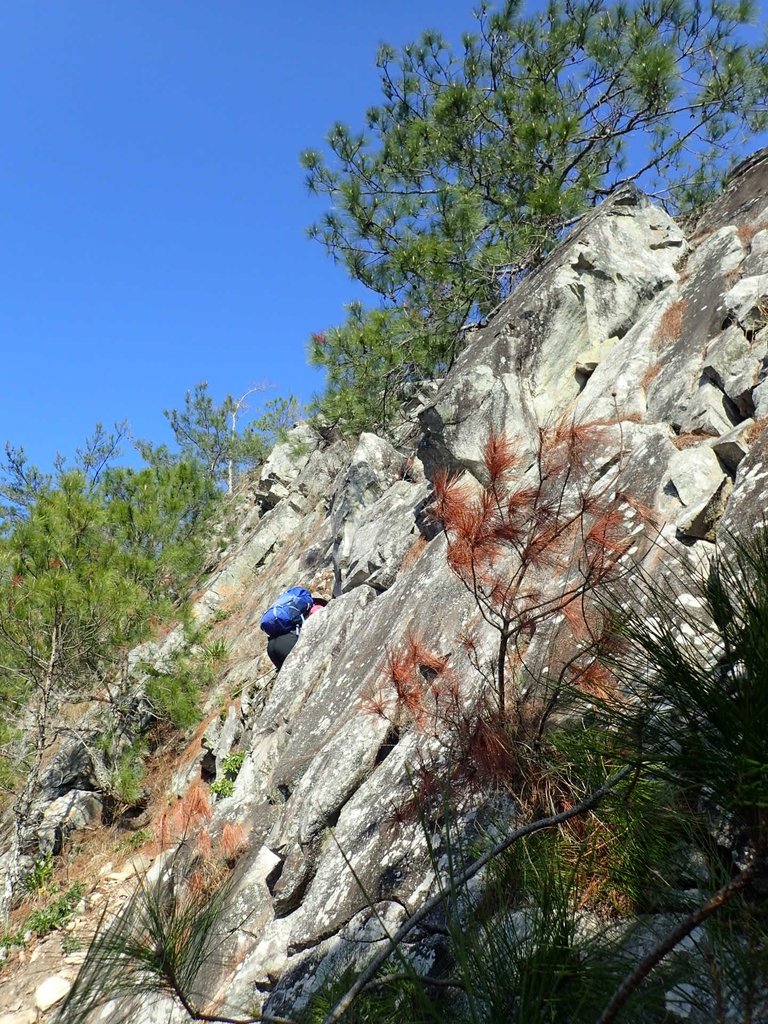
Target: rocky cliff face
[[660, 337]]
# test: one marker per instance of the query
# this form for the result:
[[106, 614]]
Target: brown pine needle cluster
[[754, 430], [532, 545], [671, 325], [533, 541], [186, 826], [418, 686], [746, 232], [233, 842], [192, 810]]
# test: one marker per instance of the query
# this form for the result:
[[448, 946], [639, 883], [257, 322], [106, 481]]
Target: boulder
[[757, 259], [51, 991], [700, 521], [747, 508], [744, 302], [76, 810], [760, 400], [745, 200], [709, 412], [137, 865], [307, 971], [731, 447], [695, 473], [28, 1016], [257, 551], [295, 874], [284, 465]]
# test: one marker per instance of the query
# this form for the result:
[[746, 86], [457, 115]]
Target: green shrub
[[223, 787], [10, 940], [127, 776], [232, 763], [41, 875], [175, 695], [56, 912], [215, 652]]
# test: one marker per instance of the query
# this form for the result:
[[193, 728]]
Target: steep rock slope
[[664, 339], [659, 341]]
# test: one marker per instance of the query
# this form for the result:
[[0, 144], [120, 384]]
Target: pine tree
[[535, 547], [215, 437], [89, 556], [475, 162], [155, 516], [65, 611]]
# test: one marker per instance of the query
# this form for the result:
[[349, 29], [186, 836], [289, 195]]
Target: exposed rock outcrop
[[627, 323], [659, 340]]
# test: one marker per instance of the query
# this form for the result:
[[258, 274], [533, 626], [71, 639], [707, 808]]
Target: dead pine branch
[[531, 545], [366, 977]]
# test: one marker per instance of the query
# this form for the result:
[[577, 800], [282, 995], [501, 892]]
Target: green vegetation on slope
[[91, 557]]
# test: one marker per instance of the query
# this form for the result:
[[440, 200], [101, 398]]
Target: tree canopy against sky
[[477, 159]]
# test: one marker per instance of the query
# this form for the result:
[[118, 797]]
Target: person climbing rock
[[318, 603], [283, 620], [279, 647]]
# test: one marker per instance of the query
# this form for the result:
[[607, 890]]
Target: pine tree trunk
[[22, 811], [501, 670]]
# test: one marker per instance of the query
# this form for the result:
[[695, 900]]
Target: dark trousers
[[279, 647]]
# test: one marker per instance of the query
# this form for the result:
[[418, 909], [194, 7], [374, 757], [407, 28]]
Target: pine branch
[[671, 940], [342, 1005], [420, 979]]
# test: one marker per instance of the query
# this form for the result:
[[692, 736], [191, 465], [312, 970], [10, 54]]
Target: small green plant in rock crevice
[[70, 944], [223, 787], [215, 652], [231, 765], [137, 839]]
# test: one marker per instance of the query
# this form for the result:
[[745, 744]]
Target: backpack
[[288, 612]]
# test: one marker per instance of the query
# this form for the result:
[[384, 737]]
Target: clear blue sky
[[153, 206], [153, 220]]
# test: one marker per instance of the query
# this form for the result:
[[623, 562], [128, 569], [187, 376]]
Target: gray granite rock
[[374, 467], [731, 447], [760, 400], [522, 369], [285, 463], [700, 521], [74, 811], [695, 474], [651, 343]]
